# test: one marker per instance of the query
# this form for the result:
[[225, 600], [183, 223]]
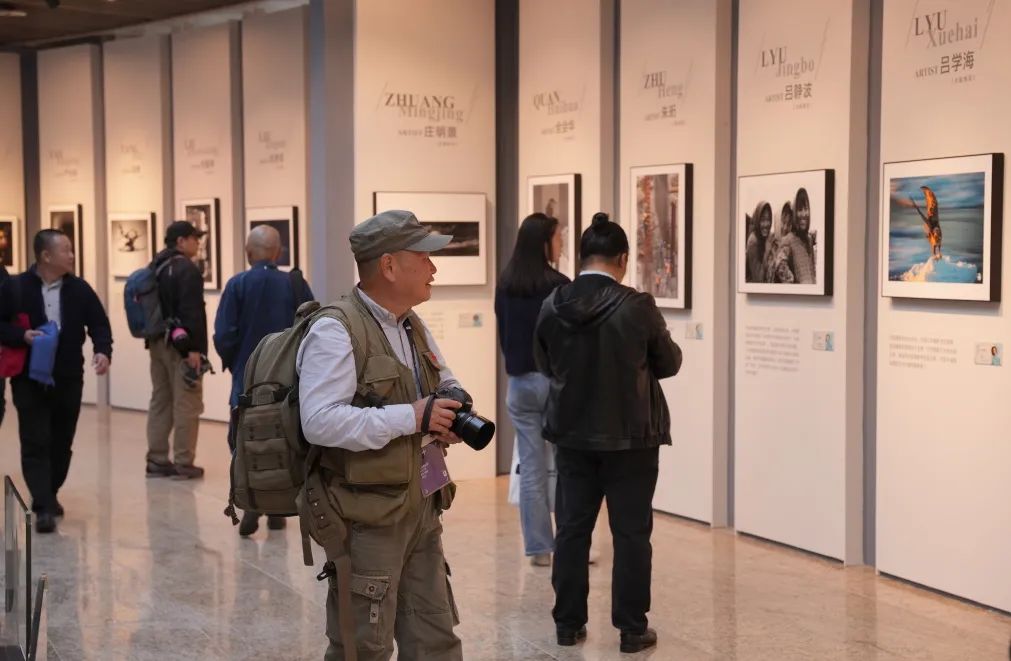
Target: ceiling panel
[[75, 18]]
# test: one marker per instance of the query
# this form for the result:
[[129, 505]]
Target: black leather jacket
[[605, 346]]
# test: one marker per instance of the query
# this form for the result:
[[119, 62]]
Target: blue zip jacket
[[254, 304]]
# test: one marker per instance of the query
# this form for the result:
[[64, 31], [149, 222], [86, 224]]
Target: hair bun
[[600, 219]]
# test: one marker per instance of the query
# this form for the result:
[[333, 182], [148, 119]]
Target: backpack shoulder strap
[[345, 311]]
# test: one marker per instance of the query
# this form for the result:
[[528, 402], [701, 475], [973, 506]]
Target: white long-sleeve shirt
[[328, 380]]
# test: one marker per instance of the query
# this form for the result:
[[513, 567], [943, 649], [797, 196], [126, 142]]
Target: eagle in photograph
[[931, 221]]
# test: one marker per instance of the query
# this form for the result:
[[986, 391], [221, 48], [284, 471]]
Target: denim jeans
[[526, 401]]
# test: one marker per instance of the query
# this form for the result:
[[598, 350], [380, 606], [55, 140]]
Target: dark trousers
[[47, 420], [627, 479], [3, 399]]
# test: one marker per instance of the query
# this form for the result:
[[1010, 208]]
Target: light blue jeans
[[526, 400]]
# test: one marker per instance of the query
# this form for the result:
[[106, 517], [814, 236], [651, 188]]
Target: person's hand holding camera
[[441, 419]]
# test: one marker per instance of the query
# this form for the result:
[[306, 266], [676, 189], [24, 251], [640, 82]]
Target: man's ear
[[386, 267]]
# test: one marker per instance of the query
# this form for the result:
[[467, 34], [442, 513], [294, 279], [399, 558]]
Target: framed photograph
[[68, 219], [661, 208], [205, 216], [558, 196], [12, 247], [131, 242], [465, 260], [941, 225], [285, 221], [784, 233]]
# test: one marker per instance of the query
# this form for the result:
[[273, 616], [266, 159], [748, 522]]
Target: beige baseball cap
[[391, 231]]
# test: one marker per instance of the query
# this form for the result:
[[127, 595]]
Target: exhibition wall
[[943, 457], [675, 109], [12, 172], [139, 191], [801, 108], [72, 173], [741, 184], [425, 123], [207, 158]]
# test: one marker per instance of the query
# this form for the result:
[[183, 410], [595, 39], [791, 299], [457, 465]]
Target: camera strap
[[426, 419]]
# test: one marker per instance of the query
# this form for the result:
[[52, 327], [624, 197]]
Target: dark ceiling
[[75, 18]]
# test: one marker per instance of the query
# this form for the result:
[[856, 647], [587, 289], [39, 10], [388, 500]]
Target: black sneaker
[[45, 523], [637, 642], [159, 469], [250, 523], [276, 522], [567, 637], [190, 472]]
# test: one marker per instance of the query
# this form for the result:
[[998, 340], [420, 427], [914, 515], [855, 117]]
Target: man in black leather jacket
[[604, 347]]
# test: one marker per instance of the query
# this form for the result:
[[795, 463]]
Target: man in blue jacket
[[47, 415], [254, 304]]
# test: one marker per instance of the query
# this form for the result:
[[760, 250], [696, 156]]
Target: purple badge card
[[434, 474]]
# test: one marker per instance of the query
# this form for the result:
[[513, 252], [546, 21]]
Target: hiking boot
[[250, 523], [637, 642], [541, 560], [276, 522], [190, 472], [160, 469], [568, 638], [45, 523]]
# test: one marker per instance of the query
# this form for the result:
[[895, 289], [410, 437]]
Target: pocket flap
[[371, 587], [380, 368]]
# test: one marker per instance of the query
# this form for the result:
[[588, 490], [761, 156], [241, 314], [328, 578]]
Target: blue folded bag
[[43, 354]]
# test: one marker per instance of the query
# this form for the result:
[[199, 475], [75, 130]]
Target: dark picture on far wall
[[285, 221], [660, 260], [558, 196], [466, 238], [942, 228], [784, 233], [130, 244], [67, 219], [461, 215], [204, 214], [11, 247]]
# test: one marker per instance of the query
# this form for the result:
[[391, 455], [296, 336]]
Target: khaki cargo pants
[[174, 406], [399, 589]]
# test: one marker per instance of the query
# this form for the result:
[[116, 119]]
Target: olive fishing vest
[[377, 487]]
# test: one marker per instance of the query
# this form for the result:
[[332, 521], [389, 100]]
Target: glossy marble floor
[[151, 569]]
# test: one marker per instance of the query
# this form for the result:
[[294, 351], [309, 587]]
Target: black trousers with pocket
[[47, 421], [627, 479]]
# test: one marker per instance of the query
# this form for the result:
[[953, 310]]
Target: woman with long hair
[[525, 282]]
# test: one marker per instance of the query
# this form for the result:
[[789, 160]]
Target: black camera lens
[[475, 431]]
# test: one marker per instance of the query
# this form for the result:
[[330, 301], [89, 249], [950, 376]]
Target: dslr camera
[[475, 431]]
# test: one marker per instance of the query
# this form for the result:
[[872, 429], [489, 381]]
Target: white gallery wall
[[675, 108], [425, 121], [207, 157], [139, 182], [12, 168], [943, 456], [798, 410], [274, 117], [566, 94], [71, 163]]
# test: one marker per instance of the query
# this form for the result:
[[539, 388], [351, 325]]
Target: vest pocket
[[381, 374], [386, 467]]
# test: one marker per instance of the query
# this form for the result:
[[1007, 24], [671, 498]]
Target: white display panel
[[403, 143], [138, 182], [71, 146], [798, 422], [206, 143], [943, 456], [675, 108], [12, 168], [274, 124]]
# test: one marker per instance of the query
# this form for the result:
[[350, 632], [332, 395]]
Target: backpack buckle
[[329, 571]]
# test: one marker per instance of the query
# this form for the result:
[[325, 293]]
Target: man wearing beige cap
[[367, 377]]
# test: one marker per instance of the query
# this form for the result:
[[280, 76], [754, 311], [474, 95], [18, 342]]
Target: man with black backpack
[[254, 304], [178, 357]]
